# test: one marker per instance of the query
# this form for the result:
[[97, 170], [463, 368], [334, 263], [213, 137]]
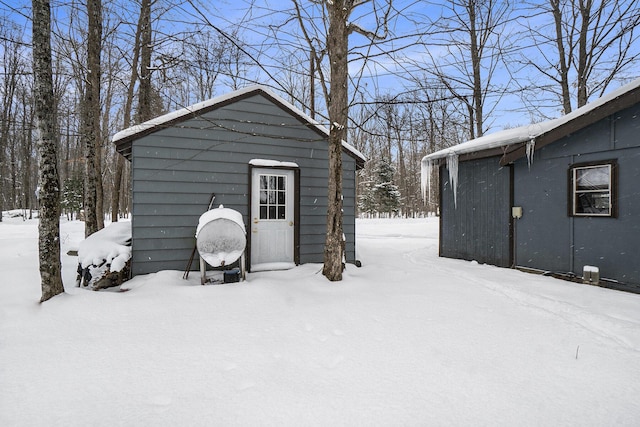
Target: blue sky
[[385, 74]]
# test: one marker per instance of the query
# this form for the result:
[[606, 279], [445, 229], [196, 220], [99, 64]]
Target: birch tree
[[47, 142]]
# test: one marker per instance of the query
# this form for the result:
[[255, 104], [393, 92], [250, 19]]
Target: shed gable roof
[[512, 143], [125, 138]]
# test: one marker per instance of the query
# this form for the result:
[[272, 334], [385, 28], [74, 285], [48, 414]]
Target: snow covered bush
[[104, 257]]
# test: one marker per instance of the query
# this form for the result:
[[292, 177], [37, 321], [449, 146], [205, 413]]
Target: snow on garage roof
[[580, 117], [515, 143]]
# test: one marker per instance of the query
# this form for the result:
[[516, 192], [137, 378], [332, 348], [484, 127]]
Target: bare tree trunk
[[336, 96], [117, 178], [476, 57], [595, 44], [10, 51], [49, 227], [144, 101], [26, 154], [13, 162], [585, 13], [91, 113], [99, 187], [562, 56], [337, 46]]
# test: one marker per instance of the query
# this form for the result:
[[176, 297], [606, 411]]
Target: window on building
[[593, 189], [273, 196]]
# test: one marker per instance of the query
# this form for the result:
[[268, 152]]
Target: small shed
[[259, 155], [561, 196]]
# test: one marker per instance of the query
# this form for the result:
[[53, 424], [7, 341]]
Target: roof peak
[[123, 139]]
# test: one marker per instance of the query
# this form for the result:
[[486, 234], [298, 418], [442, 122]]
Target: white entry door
[[272, 219]]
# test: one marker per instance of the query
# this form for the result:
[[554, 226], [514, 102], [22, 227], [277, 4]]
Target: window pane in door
[[273, 197]]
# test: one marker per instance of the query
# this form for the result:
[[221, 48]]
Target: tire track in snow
[[603, 325]]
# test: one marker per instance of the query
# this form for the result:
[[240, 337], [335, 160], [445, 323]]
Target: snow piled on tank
[[220, 212], [220, 236], [109, 246], [272, 163]]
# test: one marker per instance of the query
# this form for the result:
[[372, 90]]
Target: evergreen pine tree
[[366, 200], [386, 193], [71, 199]]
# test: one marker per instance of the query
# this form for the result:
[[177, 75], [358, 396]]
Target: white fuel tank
[[221, 237]]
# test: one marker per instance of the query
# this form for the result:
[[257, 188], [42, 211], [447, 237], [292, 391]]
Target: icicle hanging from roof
[[425, 179], [531, 148], [452, 166]]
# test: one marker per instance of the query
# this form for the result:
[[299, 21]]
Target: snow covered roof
[[512, 143], [124, 138]]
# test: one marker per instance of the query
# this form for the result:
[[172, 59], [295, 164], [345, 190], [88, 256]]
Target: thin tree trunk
[[585, 14], [562, 56], [99, 187], [117, 178], [476, 56], [26, 155], [144, 102], [49, 227], [5, 118], [312, 83]]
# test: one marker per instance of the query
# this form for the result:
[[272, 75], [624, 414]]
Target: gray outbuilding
[[560, 197], [259, 155]]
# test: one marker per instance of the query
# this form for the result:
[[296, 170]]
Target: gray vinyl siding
[[550, 239], [478, 226], [176, 169]]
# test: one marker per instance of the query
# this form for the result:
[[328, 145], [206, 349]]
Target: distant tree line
[[456, 64]]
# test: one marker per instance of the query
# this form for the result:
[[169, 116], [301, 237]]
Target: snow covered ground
[[408, 339]]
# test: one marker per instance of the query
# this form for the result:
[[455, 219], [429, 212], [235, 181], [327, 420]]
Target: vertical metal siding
[[478, 228]]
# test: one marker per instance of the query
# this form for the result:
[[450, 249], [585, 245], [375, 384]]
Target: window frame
[[612, 189]]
